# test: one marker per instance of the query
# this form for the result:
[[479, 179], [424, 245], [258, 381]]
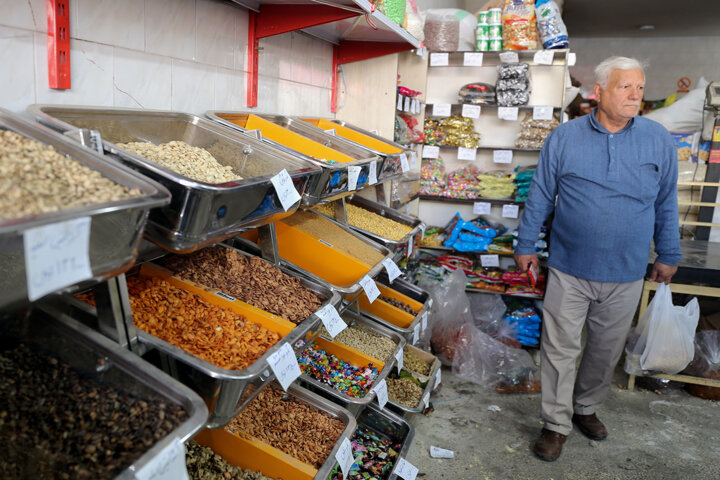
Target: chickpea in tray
[[369, 221], [365, 340]]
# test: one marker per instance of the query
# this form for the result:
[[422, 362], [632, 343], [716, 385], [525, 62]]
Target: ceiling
[[621, 18]]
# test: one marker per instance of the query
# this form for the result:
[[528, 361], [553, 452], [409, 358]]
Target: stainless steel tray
[[412, 291], [430, 378], [199, 213], [392, 166], [116, 227], [387, 425], [106, 363], [332, 183], [351, 318], [384, 211]]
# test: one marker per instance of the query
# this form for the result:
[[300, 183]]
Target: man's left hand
[[662, 273]]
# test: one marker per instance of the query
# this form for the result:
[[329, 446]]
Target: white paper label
[[439, 59], [437, 452], [285, 366], [372, 175], [430, 151], [509, 57], [332, 320], [371, 290], [411, 241], [415, 106], [416, 333], [408, 102], [502, 156], [96, 140], [399, 358], [330, 131], [426, 399], [423, 322], [353, 174], [489, 260], [285, 189], [510, 211], [344, 457], [438, 377], [406, 470], [413, 159], [542, 113], [169, 464], [392, 269], [400, 100], [422, 231], [467, 153], [225, 296], [423, 53], [382, 393], [56, 256], [508, 113], [441, 110], [544, 57], [473, 59], [482, 208], [404, 165], [571, 59], [471, 111]]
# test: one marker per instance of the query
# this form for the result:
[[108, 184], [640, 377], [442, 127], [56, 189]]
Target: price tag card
[[423, 322], [470, 111], [439, 59], [399, 357], [169, 464], [510, 211], [285, 189], [56, 256], [410, 246], [344, 457], [406, 470], [225, 296], [371, 290], [430, 151], [332, 320], [508, 113], [96, 141], [392, 269], [542, 113], [408, 103], [502, 156], [509, 57], [438, 377], [400, 102], [489, 260], [353, 174], [426, 399], [372, 175], [422, 232], [482, 208], [382, 393], [544, 57], [416, 334], [473, 59], [415, 109], [467, 153], [413, 159], [285, 366], [404, 165], [571, 59], [437, 452], [441, 110]]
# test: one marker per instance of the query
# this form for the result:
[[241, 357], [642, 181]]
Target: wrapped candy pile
[[463, 183], [497, 184], [513, 84], [534, 132], [455, 131], [432, 177]]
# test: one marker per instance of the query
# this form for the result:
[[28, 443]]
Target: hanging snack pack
[[535, 132], [551, 29], [519, 30], [477, 93], [513, 84]]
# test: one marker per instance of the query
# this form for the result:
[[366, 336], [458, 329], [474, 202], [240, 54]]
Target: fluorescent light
[[646, 27]]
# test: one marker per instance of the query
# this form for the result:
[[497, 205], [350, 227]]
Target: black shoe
[[590, 426]]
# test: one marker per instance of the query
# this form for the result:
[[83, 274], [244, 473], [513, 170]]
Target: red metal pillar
[[58, 43]]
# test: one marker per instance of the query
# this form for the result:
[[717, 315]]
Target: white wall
[[669, 59], [188, 55]]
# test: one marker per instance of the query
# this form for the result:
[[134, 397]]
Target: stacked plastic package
[[488, 33], [523, 179], [534, 132], [463, 183], [513, 84], [432, 177], [525, 323], [454, 131], [474, 236], [497, 184]]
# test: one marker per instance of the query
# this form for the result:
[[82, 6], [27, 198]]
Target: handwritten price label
[[416, 334], [510, 211], [344, 457], [439, 59], [392, 269], [508, 113], [406, 470], [502, 156], [372, 175], [381, 392], [471, 111], [285, 366], [353, 174], [473, 59], [437, 452], [490, 260], [169, 464], [441, 110], [509, 57], [423, 322], [438, 377], [56, 256], [430, 151], [399, 357], [481, 208], [332, 320], [285, 189], [404, 165], [542, 113], [371, 290], [544, 57], [467, 153]]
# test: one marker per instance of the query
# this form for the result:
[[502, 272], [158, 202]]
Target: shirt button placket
[[612, 165]]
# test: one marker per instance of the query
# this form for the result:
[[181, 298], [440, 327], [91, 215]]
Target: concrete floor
[[671, 435]]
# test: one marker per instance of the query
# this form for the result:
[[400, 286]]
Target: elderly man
[[614, 176]]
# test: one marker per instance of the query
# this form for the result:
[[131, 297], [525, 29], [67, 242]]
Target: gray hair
[[603, 71]]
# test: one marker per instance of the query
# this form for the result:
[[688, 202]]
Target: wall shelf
[[493, 201], [457, 59]]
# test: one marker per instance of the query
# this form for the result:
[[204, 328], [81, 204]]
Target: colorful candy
[[374, 456], [352, 380]]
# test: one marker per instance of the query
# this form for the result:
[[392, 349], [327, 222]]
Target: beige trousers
[[571, 302]]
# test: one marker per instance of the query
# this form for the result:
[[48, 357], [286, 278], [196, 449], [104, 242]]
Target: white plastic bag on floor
[[663, 340]]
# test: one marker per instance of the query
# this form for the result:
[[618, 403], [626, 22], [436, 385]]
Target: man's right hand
[[524, 262]]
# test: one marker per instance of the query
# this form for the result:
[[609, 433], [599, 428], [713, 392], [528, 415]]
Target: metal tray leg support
[[268, 243], [114, 313]]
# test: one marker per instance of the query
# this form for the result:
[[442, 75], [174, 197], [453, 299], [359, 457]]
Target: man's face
[[623, 94]]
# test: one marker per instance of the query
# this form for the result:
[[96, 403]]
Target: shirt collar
[[598, 126]]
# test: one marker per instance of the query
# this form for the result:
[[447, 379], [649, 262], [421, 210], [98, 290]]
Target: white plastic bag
[[663, 340]]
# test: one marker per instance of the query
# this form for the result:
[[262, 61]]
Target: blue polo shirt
[[616, 192]]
